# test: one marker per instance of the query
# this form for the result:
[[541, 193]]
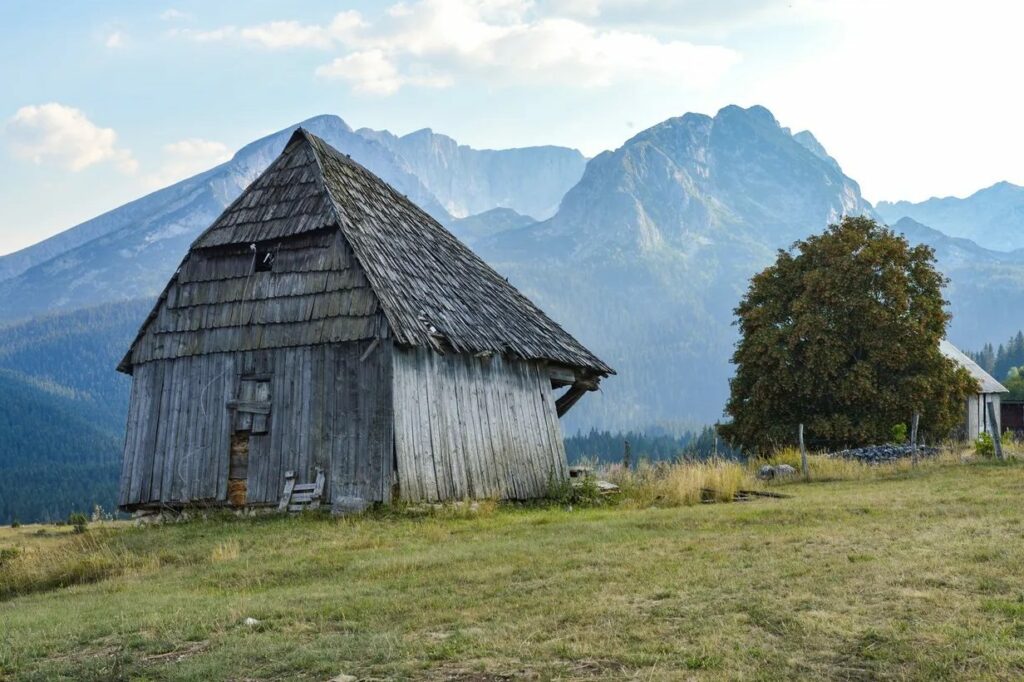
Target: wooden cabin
[[979, 404], [326, 323]]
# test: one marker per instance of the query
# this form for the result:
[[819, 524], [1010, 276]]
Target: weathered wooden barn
[[987, 398], [326, 323]]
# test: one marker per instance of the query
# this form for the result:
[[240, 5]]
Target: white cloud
[[283, 34], [56, 133], [185, 158], [431, 43], [114, 40], [373, 72], [172, 14]]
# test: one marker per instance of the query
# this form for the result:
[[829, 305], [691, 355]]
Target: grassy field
[[910, 575]]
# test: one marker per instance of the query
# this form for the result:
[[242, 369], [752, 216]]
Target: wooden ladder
[[301, 496]]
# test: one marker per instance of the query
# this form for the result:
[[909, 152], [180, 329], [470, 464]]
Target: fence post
[[997, 440], [803, 455], [627, 462], [913, 438]]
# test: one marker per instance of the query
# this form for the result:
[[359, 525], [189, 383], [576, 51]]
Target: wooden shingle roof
[[431, 289]]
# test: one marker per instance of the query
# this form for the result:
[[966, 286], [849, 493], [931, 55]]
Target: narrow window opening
[[264, 261]]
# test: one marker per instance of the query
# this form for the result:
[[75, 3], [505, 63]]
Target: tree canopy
[[842, 334]]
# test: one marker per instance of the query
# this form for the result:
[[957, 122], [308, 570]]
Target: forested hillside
[[57, 453], [62, 411], [605, 446], [1000, 360]]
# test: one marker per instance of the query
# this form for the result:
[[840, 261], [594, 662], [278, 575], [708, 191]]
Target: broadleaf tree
[[842, 334]]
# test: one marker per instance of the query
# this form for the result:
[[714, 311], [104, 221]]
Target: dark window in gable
[[264, 260]]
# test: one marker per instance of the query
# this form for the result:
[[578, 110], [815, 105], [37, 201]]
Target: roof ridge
[[315, 142]]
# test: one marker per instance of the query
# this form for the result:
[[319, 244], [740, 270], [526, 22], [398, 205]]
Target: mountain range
[[132, 250], [641, 252], [993, 217]]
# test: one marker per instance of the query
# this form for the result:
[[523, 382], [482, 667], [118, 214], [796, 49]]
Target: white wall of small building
[[978, 405]]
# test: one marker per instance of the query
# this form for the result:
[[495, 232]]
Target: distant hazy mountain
[[993, 217], [985, 285], [488, 224], [467, 181], [650, 252]]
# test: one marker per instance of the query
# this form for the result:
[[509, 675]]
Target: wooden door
[[250, 425]]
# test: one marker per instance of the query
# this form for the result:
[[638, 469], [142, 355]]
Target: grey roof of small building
[[427, 284], [985, 380]]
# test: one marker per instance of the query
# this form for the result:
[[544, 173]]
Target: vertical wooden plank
[[162, 483], [278, 423], [193, 442], [128, 452], [362, 465], [439, 454], [192, 467], [330, 417], [318, 437], [305, 471], [462, 433], [408, 485], [492, 466], [495, 426], [547, 451], [385, 419], [521, 428], [288, 414], [140, 484], [214, 477], [543, 449]]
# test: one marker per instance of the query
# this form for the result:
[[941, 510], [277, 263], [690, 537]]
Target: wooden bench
[[301, 496]]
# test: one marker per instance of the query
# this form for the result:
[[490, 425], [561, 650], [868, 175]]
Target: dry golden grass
[[682, 484], [228, 550], [824, 468]]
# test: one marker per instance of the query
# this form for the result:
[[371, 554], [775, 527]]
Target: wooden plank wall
[[468, 427], [330, 408]]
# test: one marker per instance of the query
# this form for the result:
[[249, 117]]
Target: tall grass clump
[[682, 483], [84, 558]]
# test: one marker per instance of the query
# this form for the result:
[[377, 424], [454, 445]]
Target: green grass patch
[[914, 575]]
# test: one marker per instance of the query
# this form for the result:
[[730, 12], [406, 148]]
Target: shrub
[[577, 493], [79, 521], [899, 433], [15, 523], [8, 554], [984, 447]]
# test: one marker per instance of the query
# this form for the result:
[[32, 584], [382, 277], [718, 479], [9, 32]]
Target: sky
[[102, 102]]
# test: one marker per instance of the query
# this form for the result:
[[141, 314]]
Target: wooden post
[[913, 438], [626, 455], [803, 455], [997, 440]]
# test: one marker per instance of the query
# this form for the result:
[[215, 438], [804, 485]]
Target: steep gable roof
[[432, 289], [986, 381]]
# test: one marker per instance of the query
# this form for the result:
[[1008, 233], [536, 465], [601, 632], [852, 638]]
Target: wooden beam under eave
[[575, 392]]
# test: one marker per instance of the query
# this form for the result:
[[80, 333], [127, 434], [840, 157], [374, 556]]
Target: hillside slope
[[63, 410], [58, 454]]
